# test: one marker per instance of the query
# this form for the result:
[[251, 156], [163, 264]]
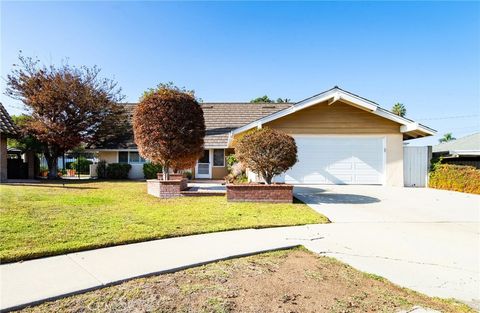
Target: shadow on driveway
[[319, 196]]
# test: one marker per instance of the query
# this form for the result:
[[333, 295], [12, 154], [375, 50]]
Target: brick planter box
[[172, 176], [277, 193], [166, 188]]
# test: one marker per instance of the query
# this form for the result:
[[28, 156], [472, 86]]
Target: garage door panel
[[343, 165], [340, 160]]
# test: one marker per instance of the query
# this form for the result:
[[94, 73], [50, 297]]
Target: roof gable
[[467, 143], [410, 128]]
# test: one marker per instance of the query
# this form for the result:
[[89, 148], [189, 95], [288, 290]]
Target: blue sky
[[425, 55]]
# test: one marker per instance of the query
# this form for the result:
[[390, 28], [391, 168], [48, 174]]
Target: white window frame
[[128, 157]]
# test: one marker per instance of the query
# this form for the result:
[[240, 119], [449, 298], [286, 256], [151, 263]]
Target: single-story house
[[7, 129], [461, 151], [342, 138]]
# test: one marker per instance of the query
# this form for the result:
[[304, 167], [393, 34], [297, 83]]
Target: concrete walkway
[[424, 239], [35, 281]]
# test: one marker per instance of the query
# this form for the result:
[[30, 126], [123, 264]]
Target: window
[[205, 159], [130, 157], [218, 157], [122, 157], [134, 157]]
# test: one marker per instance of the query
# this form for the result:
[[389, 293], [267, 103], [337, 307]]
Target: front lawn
[[282, 281], [50, 218]]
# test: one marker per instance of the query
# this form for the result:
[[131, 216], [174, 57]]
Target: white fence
[[416, 163]]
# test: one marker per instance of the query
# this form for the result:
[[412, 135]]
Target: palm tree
[[399, 109], [446, 138]]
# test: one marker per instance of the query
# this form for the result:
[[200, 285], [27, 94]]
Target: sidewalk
[[30, 282], [443, 257]]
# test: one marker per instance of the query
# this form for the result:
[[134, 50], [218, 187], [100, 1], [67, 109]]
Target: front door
[[204, 168]]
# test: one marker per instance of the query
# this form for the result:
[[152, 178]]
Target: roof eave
[[408, 127]]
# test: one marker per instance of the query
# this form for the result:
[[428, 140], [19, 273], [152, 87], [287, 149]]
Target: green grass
[[47, 219]]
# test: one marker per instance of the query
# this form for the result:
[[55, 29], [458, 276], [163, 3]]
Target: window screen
[[134, 157], [218, 157], [205, 158], [122, 157]]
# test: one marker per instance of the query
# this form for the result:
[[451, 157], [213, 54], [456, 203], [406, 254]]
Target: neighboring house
[[7, 129], [342, 139], [462, 151]]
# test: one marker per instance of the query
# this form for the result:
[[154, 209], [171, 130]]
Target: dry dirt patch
[[283, 281]]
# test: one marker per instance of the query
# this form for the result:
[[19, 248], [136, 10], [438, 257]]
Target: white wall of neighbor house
[[136, 172]]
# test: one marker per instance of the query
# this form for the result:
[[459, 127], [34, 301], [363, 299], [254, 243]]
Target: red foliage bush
[[169, 128], [455, 177], [267, 152]]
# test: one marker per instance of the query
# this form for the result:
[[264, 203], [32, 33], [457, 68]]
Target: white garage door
[[338, 160]]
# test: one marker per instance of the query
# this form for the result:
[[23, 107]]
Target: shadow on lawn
[[50, 185], [67, 183]]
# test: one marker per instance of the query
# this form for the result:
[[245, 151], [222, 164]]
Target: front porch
[[213, 164]]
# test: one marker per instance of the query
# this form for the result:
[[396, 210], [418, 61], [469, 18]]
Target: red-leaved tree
[[169, 128], [267, 152], [66, 106]]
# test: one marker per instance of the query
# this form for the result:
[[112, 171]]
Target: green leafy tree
[[446, 138], [399, 109], [267, 152], [67, 106], [284, 100], [266, 99], [25, 141]]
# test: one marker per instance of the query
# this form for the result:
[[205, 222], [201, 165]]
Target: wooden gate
[[416, 164]]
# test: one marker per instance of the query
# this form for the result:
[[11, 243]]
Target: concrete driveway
[[424, 239]]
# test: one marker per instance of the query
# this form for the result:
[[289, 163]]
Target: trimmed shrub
[[150, 170], [188, 174], [81, 164], [267, 152], [102, 169], [118, 170], [455, 177]]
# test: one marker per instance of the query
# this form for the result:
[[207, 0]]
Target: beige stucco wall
[[108, 156], [344, 119], [219, 172], [394, 162]]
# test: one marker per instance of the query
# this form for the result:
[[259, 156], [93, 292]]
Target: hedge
[[118, 170], [150, 170], [455, 177], [102, 169]]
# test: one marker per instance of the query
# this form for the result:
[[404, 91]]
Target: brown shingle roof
[[220, 119], [7, 126]]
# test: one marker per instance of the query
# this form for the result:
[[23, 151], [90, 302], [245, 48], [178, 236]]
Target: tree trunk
[[166, 172], [267, 178], [52, 162]]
